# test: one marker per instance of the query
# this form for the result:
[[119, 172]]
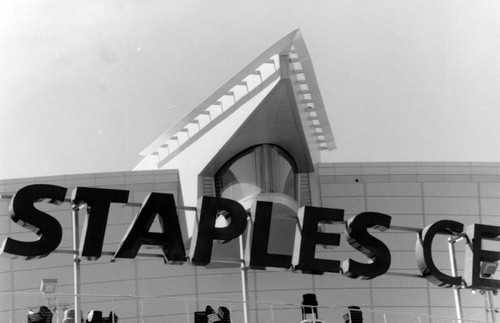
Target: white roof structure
[[288, 59]]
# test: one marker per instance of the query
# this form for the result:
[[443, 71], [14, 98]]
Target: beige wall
[[415, 195], [99, 277]]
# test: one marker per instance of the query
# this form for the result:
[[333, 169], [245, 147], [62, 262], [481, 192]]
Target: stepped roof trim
[[256, 76]]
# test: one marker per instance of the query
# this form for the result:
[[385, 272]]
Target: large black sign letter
[[358, 237], [23, 212], [256, 255], [206, 232], [138, 233], [98, 201], [478, 258], [307, 237], [424, 252]]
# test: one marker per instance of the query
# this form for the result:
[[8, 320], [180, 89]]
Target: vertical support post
[[491, 306], [113, 311], [187, 311], [76, 264], [244, 281], [456, 289], [142, 310], [57, 310]]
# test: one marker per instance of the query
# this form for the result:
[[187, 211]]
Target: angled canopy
[[291, 115]]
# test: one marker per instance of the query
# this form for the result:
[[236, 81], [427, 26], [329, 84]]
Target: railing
[[143, 309]]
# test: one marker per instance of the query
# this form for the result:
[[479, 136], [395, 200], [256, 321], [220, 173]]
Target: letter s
[[376, 250], [23, 212]]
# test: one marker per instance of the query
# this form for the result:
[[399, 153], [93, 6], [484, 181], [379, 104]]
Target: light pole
[[76, 264], [453, 263]]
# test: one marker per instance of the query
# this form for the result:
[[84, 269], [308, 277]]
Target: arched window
[[259, 169]]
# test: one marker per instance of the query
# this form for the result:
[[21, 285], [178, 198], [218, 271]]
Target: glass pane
[[241, 179], [264, 168], [282, 173]]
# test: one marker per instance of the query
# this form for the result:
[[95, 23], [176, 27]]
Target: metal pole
[[456, 289], [244, 281], [187, 311], [57, 310], [492, 308], [76, 264]]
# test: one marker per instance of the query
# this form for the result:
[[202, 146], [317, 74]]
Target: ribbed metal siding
[[303, 189]]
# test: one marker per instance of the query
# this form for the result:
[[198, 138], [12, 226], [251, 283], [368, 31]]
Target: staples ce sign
[[98, 200]]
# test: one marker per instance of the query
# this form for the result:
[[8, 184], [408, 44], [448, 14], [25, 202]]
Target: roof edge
[[281, 46]]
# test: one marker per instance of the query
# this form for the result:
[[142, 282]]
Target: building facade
[[258, 138], [413, 194]]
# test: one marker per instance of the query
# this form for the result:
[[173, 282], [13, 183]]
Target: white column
[[76, 264], [456, 289]]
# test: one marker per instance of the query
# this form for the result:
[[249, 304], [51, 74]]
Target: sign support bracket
[[76, 264], [456, 289]]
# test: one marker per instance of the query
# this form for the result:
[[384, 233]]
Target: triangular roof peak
[[287, 59]]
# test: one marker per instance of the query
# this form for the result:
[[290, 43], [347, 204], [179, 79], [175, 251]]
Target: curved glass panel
[[259, 169]]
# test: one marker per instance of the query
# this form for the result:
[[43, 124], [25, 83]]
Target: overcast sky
[[86, 85]]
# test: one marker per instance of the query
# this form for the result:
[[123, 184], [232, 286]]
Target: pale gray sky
[[86, 85]]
